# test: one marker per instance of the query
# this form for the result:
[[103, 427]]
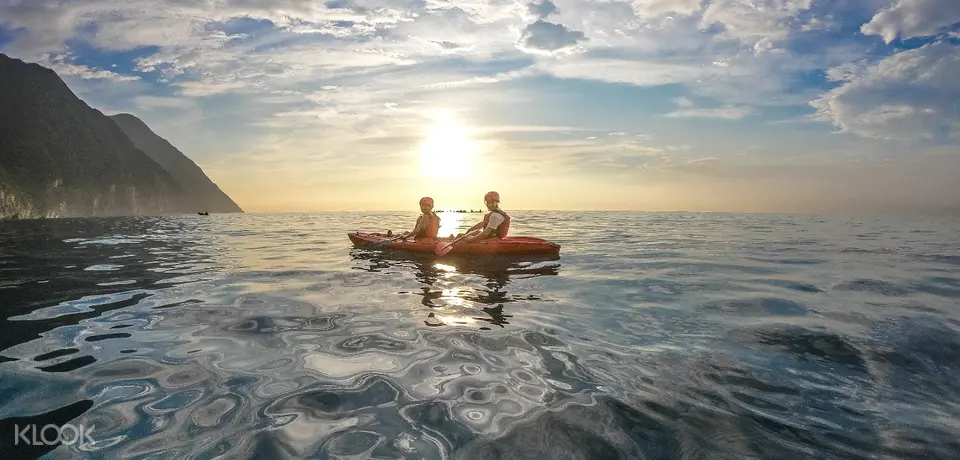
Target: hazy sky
[[761, 105]]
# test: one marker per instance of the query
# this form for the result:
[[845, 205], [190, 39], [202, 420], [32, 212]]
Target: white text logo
[[51, 435]]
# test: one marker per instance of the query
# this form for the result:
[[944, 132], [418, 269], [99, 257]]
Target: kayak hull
[[511, 245]]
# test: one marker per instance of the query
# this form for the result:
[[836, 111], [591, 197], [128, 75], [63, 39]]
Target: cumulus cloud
[[909, 95], [754, 21], [913, 18], [543, 9], [542, 37]]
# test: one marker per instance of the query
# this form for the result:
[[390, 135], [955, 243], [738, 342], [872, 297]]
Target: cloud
[[448, 45], [658, 8], [756, 21], [603, 157], [543, 9], [359, 75], [909, 95], [638, 148], [813, 24], [726, 113], [542, 37], [256, 46], [65, 69], [686, 109], [701, 162], [639, 72], [913, 18], [683, 102]]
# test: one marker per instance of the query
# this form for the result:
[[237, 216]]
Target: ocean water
[[652, 336]]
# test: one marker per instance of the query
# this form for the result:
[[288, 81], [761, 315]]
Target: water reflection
[[450, 223], [61, 272], [261, 336], [449, 287]]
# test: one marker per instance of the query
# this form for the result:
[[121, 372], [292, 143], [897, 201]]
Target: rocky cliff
[[204, 194], [61, 158]]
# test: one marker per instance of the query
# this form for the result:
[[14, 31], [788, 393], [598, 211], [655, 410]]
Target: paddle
[[442, 249], [383, 242]]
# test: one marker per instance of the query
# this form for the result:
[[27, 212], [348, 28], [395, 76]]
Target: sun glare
[[449, 223], [448, 149]]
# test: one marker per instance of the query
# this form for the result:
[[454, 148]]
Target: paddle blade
[[442, 249]]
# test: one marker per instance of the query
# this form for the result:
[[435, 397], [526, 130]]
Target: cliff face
[[61, 158], [204, 194]]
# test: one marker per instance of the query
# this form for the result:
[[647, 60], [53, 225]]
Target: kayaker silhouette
[[495, 224], [428, 223]]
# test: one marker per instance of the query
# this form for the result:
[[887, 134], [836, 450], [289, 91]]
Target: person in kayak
[[428, 223], [496, 224]]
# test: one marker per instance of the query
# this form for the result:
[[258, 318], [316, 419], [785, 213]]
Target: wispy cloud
[[686, 109], [726, 113], [60, 65]]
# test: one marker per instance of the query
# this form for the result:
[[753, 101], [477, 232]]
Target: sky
[[849, 106]]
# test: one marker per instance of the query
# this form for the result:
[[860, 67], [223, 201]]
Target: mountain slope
[[59, 157], [203, 193]]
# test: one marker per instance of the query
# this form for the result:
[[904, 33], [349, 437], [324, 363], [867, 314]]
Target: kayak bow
[[515, 245]]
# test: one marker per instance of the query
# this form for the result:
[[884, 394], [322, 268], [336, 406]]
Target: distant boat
[[204, 213]]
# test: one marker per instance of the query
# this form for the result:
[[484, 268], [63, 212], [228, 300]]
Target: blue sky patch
[[8, 35], [122, 62]]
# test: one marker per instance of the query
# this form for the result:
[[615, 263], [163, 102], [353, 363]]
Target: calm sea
[[653, 336]]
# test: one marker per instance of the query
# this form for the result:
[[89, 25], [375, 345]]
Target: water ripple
[[654, 335]]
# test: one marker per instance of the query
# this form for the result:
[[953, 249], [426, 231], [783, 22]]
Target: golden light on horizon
[[448, 150]]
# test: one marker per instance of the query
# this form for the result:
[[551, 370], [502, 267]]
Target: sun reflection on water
[[449, 223]]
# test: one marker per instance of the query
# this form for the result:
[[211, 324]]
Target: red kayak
[[512, 245]]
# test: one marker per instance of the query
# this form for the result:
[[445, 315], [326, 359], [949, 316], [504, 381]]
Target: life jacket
[[504, 226], [432, 227]]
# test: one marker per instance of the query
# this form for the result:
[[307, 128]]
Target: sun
[[448, 149]]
